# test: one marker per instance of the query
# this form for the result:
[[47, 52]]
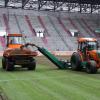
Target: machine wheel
[[3, 62], [8, 66], [91, 67], [32, 66], [76, 62]]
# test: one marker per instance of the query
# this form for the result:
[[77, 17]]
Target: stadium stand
[[6, 23], [17, 22], [33, 23], [23, 25], [63, 26], [59, 35], [81, 27], [2, 43], [56, 28], [87, 28], [43, 24], [30, 25]]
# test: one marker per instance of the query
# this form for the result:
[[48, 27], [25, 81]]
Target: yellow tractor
[[15, 55]]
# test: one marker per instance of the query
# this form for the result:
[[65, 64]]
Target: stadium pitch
[[49, 83]]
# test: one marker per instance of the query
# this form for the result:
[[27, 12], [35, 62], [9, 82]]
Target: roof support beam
[[24, 2], [6, 2], [83, 6]]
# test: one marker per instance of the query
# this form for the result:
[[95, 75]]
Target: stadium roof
[[69, 5]]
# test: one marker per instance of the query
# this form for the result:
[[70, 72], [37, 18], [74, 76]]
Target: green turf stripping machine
[[59, 63]]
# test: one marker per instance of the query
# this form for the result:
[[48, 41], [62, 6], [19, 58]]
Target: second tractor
[[87, 55]]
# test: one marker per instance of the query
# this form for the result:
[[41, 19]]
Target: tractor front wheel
[[91, 67], [32, 66], [4, 63], [7, 65]]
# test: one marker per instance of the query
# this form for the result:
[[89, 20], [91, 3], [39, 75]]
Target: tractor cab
[[92, 45], [14, 40], [87, 44]]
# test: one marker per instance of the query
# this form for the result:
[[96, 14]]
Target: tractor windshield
[[15, 40], [92, 45]]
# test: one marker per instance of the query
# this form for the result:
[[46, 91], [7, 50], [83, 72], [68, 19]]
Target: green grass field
[[49, 83]]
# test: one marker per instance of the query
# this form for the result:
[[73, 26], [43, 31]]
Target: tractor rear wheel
[[91, 67], [7, 65], [32, 66], [76, 62]]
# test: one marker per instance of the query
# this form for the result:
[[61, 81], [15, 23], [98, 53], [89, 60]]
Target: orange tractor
[[87, 55], [17, 54]]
